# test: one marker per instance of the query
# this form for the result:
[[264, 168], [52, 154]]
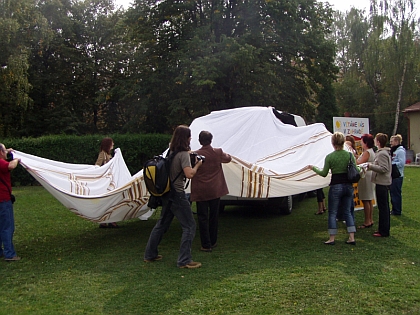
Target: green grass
[[264, 264]]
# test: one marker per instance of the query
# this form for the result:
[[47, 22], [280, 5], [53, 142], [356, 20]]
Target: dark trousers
[[396, 197], [208, 221], [382, 198]]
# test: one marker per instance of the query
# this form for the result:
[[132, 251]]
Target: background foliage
[[84, 67]]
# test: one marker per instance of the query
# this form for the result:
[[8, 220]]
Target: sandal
[[364, 226], [318, 213]]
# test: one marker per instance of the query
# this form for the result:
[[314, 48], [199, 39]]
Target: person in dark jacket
[[207, 186], [398, 157]]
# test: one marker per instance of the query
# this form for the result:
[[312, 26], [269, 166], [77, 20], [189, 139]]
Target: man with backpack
[[175, 202]]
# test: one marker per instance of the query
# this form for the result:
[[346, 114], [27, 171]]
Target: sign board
[[351, 126]]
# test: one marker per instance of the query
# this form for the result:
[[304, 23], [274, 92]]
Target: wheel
[[282, 205]]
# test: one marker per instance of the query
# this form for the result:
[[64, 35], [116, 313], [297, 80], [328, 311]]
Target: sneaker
[[191, 265], [16, 258], [158, 257]]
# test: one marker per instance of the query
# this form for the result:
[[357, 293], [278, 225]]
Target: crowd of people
[[208, 185], [376, 180]]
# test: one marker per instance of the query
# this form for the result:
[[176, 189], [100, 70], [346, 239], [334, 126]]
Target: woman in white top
[[365, 186]]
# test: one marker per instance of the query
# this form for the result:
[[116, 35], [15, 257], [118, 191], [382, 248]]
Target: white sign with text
[[351, 126]]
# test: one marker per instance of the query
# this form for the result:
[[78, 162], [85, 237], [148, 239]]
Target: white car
[[270, 150]]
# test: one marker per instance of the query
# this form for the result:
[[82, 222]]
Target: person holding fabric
[[365, 186], [351, 144], [7, 221], [341, 189], [207, 186], [104, 156], [175, 202], [398, 158], [381, 176], [320, 198]]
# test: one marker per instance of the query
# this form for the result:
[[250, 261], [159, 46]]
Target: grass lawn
[[265, 264]]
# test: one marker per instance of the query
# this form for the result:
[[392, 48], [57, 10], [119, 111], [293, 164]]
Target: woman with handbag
[[381, 176], [341, 188], [7, 221]]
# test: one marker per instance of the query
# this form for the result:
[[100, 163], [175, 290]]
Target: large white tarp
[[101, 194], [269, 157], [268, 160]]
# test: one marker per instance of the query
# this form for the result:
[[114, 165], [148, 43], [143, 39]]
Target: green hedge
[[136, 149]]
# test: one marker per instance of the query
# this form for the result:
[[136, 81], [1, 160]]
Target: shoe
[[203, 249], [16, 258], [329, 243], [158, 257], [103, 226], [377, 234], [364, 226], [394, 213], [113, 225], [191, 265], [213, 246], [351, 243], [318, 213]]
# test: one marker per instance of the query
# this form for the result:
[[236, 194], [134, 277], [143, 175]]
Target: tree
[[198, 56]]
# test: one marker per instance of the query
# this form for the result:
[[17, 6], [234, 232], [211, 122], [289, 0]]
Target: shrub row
[[136, 149]]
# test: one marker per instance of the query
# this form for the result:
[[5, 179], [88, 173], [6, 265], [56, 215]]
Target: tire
[[282, 205]]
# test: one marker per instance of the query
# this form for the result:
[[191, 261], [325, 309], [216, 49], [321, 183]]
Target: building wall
[[414, 132]]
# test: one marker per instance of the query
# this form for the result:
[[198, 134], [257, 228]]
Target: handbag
[[395, 173], [353, 174]]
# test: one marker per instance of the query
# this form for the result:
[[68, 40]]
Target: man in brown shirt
[[207, 186]]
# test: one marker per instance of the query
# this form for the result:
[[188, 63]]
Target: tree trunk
[[400, 87]]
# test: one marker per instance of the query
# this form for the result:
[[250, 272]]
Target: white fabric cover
[[269, 157], [269, 160], [101, 194]]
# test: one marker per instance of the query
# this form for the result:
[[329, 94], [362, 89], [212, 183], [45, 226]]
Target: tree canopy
[[84, 67]]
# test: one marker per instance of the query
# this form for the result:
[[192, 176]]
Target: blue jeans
[[7, 228], [396, 197], [340, 195], [181, 209]]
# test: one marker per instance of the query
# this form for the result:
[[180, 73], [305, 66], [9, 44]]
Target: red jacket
[[209, 181], [5, 176]]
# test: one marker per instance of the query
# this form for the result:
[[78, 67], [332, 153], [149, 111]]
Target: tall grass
[[264, 264]]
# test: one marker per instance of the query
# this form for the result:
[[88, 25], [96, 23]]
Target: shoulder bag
[[352, 173]]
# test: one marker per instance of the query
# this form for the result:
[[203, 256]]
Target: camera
[[194, 155], [9, 156]]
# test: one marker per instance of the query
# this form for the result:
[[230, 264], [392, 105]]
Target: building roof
[[413, 108]]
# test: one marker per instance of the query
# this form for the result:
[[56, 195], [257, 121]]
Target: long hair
[[352, 141], [106, 145], [181, 139]]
